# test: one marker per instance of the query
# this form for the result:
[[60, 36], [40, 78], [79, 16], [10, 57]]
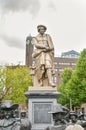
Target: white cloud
[[12, 41], [65, 20], [32, 6]]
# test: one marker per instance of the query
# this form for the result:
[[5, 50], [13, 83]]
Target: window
[[64, 63], [73, 63], [61, 70], [55, 63], [71, 56], [56, 69], [54, 78]]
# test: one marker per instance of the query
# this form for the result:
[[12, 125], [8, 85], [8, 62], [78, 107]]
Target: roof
[[70, 52]]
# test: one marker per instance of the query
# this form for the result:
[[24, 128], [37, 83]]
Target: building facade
[[67, 60]]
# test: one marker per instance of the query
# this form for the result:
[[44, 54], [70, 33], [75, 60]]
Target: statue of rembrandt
[[44, 57]]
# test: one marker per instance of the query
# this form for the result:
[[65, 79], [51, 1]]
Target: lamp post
[[70, 104]]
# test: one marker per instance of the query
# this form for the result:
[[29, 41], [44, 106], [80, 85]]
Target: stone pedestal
[[40, 102]]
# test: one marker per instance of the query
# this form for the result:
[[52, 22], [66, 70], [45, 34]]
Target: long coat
[[43, 58]]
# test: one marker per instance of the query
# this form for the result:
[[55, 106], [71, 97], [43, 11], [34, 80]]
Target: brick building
[[66, 60]]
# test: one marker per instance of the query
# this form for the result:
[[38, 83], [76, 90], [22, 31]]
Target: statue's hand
[[47, 49], [44, 50]]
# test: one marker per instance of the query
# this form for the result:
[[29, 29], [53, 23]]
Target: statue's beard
[[7, 116]]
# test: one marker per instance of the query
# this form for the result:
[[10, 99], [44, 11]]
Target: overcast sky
[[65, 21]]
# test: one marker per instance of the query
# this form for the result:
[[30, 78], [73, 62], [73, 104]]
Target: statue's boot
[[49, 74], [41, 83]]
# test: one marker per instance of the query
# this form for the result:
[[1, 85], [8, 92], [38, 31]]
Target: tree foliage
[[18, 80], [75, 86], [2, 82], [64, 88], [78, 81]]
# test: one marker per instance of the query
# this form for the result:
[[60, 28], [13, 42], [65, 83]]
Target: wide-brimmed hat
[[39, 26], [57, 109], [7, 105]]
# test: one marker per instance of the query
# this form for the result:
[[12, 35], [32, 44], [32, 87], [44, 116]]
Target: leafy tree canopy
[[18, 80], [75, 86], [64, 88]]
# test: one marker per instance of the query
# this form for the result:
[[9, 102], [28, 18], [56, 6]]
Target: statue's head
[[23, 114], [8, 108], [57, 113], [73, 116], [7, 114], [41, 28]]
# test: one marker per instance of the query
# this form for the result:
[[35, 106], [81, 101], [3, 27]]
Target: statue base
[[40, 102], [45, 88]]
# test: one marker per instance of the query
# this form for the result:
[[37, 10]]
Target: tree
[[64, 88], [18, 80], [78, 81], [74, 87], [2, 82]]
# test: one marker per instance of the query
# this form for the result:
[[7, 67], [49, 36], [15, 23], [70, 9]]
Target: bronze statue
[[25, 123], [58, 115], [9, 122], [44, 58]]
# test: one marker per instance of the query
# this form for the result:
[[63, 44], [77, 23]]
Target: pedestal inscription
[[41, 115]]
